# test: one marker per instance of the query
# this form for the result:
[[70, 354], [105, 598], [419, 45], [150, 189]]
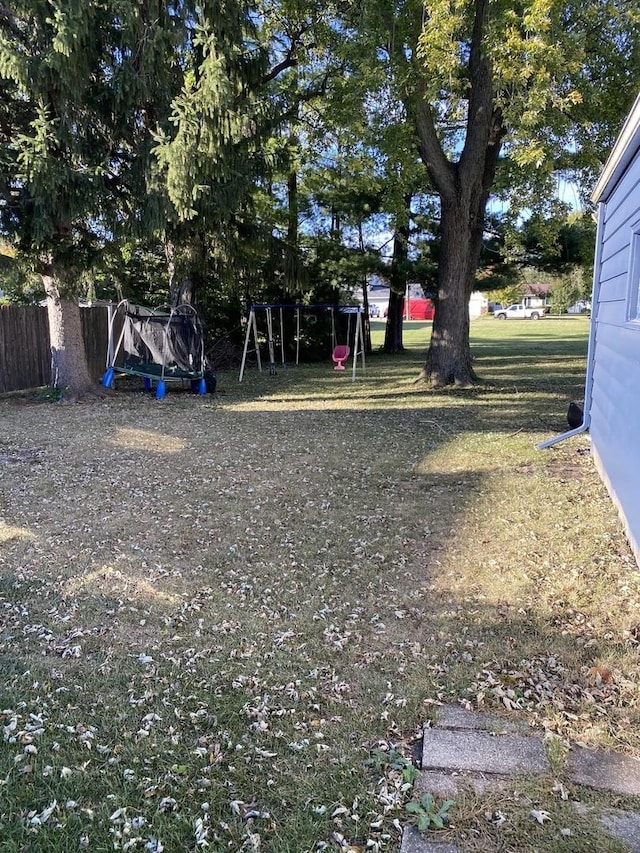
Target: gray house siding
[[614, 414]]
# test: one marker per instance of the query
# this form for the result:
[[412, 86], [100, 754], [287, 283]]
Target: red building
[[420, 309]]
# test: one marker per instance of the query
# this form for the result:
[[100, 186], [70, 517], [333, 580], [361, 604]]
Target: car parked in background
[[519, 311]]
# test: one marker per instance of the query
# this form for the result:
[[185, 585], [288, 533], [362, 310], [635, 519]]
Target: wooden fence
[[25, 356]]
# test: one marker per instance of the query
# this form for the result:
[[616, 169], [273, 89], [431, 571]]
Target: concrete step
[[467, 748]]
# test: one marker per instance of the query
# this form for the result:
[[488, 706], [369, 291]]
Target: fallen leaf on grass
[[540, 815], [497, 818], [559, 788], [599, 675]]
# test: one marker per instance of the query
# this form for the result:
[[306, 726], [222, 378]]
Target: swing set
[[340, 352]]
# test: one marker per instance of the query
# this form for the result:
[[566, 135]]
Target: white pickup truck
[[519, 312]]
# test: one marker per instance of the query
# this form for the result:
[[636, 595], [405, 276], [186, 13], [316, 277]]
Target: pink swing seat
[[340, 353]]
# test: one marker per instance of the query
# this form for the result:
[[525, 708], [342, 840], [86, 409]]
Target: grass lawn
[[215, 611]]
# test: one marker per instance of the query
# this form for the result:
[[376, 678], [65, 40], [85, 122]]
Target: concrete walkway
[[478, 750]]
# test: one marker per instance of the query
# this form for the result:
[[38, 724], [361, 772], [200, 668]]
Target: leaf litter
[[209, 624]]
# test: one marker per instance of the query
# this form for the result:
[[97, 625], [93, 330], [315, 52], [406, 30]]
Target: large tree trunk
[[184, 294], [393, 330], [186, 264], [398, 284], [69, 368], [449, 356], [463, 187]]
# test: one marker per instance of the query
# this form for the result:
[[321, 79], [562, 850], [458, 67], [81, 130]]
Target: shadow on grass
[[314, 571], [554, 363], [504, 405]]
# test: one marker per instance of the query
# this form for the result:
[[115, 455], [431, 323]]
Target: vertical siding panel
[[615, 408]]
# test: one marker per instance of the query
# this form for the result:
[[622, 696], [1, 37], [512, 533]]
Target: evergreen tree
[[124, 122], [80, 84]]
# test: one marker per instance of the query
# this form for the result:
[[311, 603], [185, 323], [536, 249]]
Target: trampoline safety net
[[149, 338]]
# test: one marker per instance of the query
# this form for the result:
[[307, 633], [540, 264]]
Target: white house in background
[[478, 305], [580, 307], [612, 388], [379, 296]]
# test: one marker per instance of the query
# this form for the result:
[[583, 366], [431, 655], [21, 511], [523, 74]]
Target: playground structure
[[157, 344], [340, 352]]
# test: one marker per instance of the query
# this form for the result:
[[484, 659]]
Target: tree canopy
[[502, 98], [265, 148]]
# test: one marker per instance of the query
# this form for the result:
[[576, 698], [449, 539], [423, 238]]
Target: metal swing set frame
[[278, 310]]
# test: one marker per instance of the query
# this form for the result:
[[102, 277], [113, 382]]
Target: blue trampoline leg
[[161, 390], [148, 384], [202, 386], [108, 378]]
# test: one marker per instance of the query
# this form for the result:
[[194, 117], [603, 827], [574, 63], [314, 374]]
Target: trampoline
[[159, 345]]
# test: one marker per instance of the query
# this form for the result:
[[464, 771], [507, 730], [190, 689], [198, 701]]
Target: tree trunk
[[366, 319], [186, 264], [291, 250], [170, 256], [398, 284], [185, 294], [69, 369], [463, 187], [449, 356], [393, 330]]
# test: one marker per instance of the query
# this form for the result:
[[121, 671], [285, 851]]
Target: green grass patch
[[216, 610]]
